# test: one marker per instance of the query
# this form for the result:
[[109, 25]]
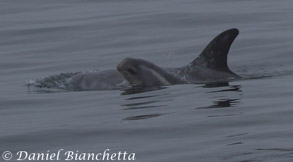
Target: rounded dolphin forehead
[[124, 64]]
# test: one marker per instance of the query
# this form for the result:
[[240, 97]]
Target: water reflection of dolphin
[[210, 66]]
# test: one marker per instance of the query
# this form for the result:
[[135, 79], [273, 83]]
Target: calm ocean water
[[247, 120]]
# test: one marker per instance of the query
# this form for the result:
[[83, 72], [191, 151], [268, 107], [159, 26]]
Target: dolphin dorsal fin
[[214, 56]]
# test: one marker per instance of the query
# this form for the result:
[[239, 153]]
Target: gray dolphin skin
[[210, 67], [99, 80]]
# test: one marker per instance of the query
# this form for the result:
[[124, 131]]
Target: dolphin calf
[[210, 66], [139, 72]]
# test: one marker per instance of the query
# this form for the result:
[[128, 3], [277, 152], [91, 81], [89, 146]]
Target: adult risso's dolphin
[[210, 67]]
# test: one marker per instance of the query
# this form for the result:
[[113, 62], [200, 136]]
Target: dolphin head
[[139, 72]]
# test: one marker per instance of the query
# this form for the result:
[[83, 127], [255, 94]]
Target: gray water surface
[[247, 120]]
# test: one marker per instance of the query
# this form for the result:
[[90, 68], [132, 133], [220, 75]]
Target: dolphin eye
[[131, 71]]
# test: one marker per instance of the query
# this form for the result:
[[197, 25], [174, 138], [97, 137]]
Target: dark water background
[[249, 120]]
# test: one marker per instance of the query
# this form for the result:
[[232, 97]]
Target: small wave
[[53, 83]]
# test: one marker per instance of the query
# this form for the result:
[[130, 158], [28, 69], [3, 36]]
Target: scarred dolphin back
[[214, 56]]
